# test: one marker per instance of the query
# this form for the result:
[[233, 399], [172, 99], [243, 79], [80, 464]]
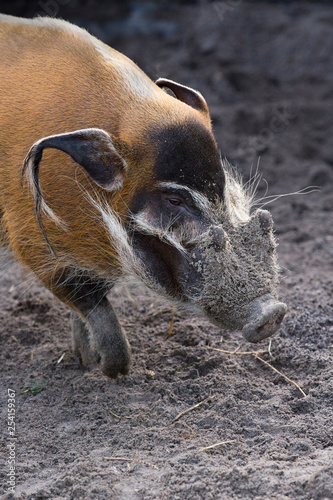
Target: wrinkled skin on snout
[[240, 277], [212, 256]]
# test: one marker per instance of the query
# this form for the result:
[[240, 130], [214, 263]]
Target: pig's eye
[[176, 202]]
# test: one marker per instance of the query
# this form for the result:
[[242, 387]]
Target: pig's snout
[[265, 318]]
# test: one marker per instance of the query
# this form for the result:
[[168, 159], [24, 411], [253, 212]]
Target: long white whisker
[[272, 198], [266, 190]]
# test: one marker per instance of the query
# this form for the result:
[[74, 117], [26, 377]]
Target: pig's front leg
[[99, 337], [81, 338], [97, 334]]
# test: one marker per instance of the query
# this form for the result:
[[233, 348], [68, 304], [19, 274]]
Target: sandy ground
[[266, 72]]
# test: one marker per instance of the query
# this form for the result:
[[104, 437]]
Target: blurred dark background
[[265, 68]]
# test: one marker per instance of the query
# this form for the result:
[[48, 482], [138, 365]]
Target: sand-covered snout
[[265, 318]]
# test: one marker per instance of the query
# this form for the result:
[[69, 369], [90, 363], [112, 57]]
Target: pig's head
[[194, 233]]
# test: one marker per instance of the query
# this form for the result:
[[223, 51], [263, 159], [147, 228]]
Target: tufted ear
[[186, 94], [92, 148]]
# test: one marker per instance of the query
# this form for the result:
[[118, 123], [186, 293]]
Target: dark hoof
[[112, 370]]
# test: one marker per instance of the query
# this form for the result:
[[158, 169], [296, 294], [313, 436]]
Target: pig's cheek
[[193, 274]]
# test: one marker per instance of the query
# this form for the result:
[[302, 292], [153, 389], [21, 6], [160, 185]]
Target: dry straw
[[131, 461], [181, 414], [212, 446], [255, 354]]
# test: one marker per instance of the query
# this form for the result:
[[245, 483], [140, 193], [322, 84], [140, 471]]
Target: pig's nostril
[[270, 326], [264, 321]]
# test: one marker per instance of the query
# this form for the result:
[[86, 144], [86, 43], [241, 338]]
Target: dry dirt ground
[[267, 73]]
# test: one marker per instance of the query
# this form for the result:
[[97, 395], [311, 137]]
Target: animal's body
[[122, 179]]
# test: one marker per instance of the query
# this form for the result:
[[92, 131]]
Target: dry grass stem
[[181, 414], [123, 418], [217, 444], [238, 353], [279, 373], [255, 354], [269, 350], [186, 425], [61, 358], [130, 465]]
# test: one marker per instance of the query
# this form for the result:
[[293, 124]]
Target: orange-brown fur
[[56, 78]]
